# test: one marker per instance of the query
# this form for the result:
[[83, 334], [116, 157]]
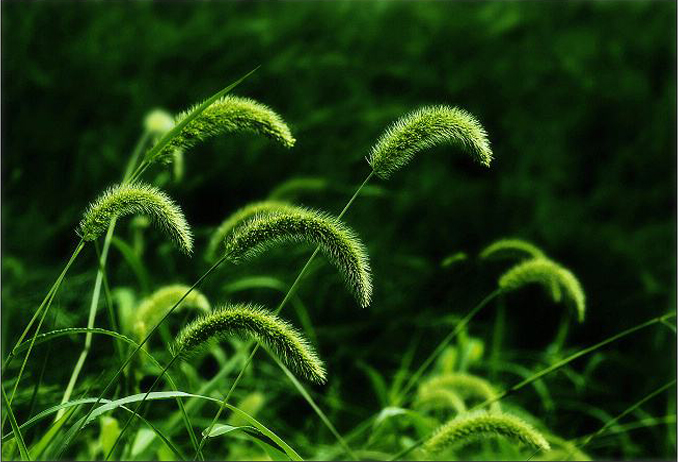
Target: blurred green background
[[578, 98]]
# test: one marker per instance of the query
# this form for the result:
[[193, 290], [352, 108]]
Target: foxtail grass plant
[[471, 427], [444, 408], [417, 131], [133, 171]]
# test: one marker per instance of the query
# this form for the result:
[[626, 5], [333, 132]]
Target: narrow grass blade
[[38, 448], [269, 446], [315, 407], [23, 450], [291, 453]]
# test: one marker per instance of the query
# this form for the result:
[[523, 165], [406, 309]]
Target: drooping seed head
[[154, 307], [239, 217], [549, 274], [338, 243], [290, 189], [439, 398], [466, 386], [468, 428], [228, 114], [131, 199], [252, 321], [425, 128], [510, 248]]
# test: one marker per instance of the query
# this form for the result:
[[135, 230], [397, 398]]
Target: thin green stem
[[140, 345], [292, 290], [94, 303], [12, 353], [573, 357], [627, 411], [101, 270], [136, 153], [139, 171], [446, 341], [23, 449], [316, 408], [109, 308]]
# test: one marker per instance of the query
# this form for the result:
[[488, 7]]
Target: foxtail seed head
[[238, 217], [136, 198], [475, 426], [338, 243], [550, 274], [155, 306], [439, 398], [255, 322], [424, 128], [466, 386], [290, 189], [511, 247], [228, 114]]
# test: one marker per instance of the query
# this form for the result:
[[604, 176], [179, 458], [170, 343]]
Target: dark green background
[[578, 98]]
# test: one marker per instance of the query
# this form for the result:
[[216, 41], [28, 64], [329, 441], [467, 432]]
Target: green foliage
[[425, 128], [338, 243], [228, 114], [468, 428], [582, 122], [252, 321], [548, 273], [131, 199]]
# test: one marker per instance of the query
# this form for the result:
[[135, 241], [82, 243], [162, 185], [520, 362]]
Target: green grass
[[391, 334]]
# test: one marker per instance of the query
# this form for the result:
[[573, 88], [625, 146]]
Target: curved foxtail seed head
[[228, 114], [154, 307], [474, 426], [511, 247], [338, 243], [548, 273], [131, 199], [466, 386], [439, 398], [424, 128], [238, 217], [255, 322], [290, 189]]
